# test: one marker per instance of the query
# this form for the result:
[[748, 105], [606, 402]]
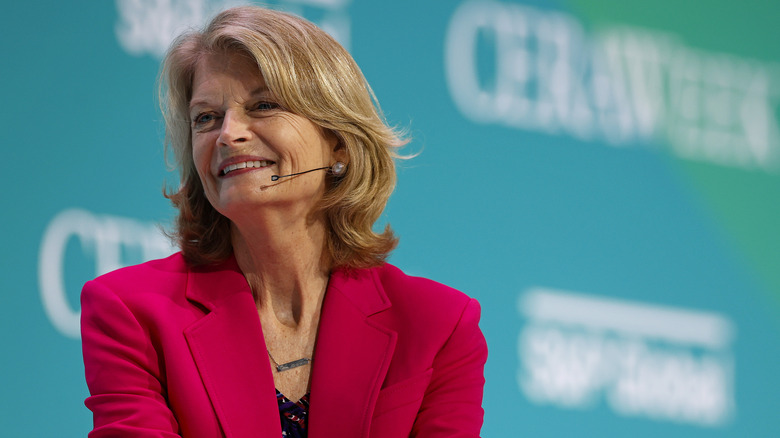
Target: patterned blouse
[[293, 415]]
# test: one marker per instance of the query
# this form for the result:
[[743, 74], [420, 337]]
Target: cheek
[[202, 158], [305, 143]]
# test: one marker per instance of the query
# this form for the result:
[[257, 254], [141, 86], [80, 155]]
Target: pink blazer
[[173, 351]]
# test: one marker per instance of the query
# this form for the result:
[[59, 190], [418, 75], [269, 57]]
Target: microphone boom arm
[[276, 177]]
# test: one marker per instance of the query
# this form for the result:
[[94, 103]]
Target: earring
[[338, 168]]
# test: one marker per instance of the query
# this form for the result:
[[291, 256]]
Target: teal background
[[490, 209]]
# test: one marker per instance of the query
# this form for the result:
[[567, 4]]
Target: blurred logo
[[538, 70], [577, 351], [103, 242], [149, 26]]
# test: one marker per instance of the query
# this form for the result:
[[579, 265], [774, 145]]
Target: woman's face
[[241, 136]]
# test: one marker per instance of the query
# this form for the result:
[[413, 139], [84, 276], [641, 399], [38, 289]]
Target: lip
[[240, 159]]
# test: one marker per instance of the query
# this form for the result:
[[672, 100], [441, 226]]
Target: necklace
[[289, 365]]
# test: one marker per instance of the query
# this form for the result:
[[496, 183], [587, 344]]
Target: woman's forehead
[[218, 74]]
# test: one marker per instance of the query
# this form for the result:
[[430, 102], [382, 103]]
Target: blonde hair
[[313, 76]]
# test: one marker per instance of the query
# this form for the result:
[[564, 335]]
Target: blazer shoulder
[[420, 296], [154, 274], [397, 284]]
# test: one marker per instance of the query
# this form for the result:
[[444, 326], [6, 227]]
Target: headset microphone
[[337, 169], [275, 177]]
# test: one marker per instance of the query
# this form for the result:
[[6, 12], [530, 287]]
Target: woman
[[279, 300]]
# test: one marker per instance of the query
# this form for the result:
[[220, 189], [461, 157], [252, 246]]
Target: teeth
[[245, 164]]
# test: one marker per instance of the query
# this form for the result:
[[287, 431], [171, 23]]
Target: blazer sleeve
[[122, 368], [452, 405]]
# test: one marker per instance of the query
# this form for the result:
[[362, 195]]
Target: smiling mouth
[[245, 165]]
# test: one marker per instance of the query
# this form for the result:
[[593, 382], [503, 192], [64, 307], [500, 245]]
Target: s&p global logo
[[658, 362], [149, 26], [107, 243]]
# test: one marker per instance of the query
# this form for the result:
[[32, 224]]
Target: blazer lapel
[[351, 358], [228, 348]]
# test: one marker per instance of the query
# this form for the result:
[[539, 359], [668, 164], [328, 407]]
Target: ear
[[339, 150]]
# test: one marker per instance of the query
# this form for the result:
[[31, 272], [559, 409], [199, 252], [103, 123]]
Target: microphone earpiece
[[338, 168]]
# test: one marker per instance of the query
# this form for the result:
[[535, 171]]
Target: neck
[[285, 264]]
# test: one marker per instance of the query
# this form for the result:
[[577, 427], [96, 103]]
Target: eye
[[203, 121], [265, 106]]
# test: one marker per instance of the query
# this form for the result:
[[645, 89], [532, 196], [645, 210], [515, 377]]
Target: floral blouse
[[293, 415]]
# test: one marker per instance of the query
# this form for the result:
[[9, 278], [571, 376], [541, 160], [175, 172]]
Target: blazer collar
[[228, 348], [362, 288], [352, 355], [350, 363], [211, 285]]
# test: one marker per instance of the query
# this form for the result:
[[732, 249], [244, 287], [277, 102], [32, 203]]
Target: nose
[[235, 128]]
